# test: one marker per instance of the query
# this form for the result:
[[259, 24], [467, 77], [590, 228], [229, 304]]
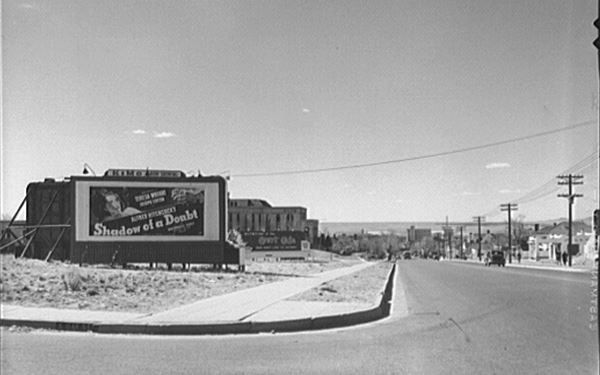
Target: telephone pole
[[448, 236], [479, 219], [461, 242], [570, 180], [596, 214], [509, 207]]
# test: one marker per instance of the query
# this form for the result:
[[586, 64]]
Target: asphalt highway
[[462, 319]]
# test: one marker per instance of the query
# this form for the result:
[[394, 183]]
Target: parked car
[[496, 257]]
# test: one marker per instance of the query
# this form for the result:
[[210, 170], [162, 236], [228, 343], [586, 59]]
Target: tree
[[344, 245], [427, 244], [521, 233], [328, 243]]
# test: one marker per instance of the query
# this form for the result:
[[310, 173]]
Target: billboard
[[109, 210], [274, 241]]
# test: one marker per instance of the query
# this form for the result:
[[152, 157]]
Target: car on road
[[433, 255], [496, 257]]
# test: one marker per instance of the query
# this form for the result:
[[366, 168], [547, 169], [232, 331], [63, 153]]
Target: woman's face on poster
[[112, 204]]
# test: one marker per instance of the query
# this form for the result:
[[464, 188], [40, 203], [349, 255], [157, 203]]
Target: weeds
[[73, 280]]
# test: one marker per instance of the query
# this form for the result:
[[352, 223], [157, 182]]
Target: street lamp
[[87, 169]]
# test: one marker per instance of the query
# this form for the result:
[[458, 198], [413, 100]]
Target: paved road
[[463, 319]]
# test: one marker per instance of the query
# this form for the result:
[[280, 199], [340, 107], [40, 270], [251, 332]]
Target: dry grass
[[365, 286], [29, 282]]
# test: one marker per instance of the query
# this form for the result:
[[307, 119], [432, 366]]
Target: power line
[[548, 189], [550, 186], [414, 158]]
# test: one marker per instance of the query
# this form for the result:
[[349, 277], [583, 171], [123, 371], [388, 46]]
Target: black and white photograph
[[299, 187]]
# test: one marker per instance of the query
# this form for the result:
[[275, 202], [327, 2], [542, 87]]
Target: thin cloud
[[497, 165], [139, 131], [509, 191], [468, 193], [164, 135]]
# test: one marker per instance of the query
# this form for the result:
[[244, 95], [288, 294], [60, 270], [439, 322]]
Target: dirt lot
[[365, 286], [29, 282]]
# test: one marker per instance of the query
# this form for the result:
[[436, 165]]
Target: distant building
[[257, 215], [548, 242], [416, 235], [312, 225], [489, 243]]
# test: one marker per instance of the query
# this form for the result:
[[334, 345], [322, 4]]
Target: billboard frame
[[202, 248]]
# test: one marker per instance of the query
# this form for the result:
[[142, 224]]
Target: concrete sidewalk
[[257, 309], [243, 304]]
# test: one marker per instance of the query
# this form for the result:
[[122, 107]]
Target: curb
[[223, 328], [379, 311], [53, 325], [532, 266], [572, 270]]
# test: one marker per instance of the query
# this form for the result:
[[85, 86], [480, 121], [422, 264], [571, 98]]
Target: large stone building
[[257, 215]]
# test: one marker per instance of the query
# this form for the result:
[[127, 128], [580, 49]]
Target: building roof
[[260, 203], [249, 203], [562, 228]]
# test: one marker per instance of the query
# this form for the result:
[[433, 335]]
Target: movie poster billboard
[[133, 211], [148, 211]]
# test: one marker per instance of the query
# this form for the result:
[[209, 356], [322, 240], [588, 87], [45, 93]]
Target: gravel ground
[[29, 282]]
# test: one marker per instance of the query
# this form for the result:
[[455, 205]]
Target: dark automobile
[[496, 257], [432, 255], [406, 255]]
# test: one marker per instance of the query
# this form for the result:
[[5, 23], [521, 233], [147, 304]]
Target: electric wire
[[414, 158], [550, 187]]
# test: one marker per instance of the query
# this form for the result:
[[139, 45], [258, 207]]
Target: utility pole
[[461, 242], [479, 219], [509, 207], [570, 180], [448, 235], [596, 221], [596, 43]]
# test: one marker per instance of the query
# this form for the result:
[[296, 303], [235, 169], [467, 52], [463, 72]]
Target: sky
[[412, 110]]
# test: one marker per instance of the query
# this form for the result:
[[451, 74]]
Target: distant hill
[[401, 228]]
